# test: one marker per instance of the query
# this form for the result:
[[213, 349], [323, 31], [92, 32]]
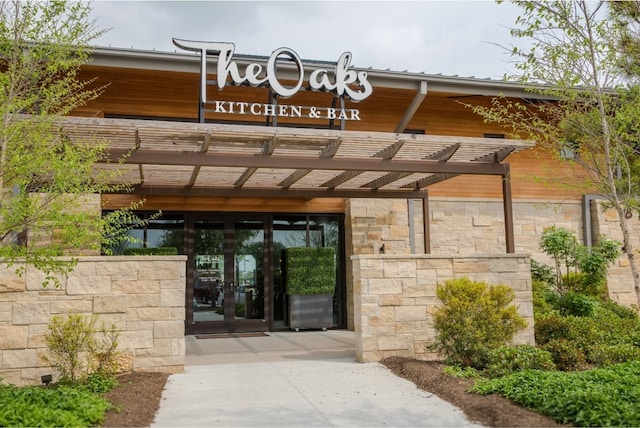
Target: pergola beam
[[177, 158], [259, 192]]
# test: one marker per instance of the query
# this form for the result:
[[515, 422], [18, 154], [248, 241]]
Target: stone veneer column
[[143, 296]]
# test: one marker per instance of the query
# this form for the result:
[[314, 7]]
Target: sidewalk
[[292, 380]]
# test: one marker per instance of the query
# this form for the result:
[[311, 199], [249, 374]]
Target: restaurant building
[[248, 155], [239, 157]]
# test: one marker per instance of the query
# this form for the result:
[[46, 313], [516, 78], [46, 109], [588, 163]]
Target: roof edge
[[189, 63]]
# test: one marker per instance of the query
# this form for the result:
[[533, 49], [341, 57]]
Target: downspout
[[412, 226], [507, 203], [587, 226], [425, 224]]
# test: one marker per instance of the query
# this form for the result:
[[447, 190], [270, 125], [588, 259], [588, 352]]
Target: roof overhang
[[188, 62], [158, 157]]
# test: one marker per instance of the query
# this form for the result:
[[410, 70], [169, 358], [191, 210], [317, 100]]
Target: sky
[[456, 37]]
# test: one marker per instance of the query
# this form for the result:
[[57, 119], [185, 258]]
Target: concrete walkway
[[293, 379]]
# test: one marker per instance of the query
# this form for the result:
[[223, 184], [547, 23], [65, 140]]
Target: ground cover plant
[[84, 357], [598, 397], [585, 368], [54, 406]]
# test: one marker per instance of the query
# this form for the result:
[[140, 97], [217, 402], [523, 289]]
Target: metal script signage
[[342, 81]]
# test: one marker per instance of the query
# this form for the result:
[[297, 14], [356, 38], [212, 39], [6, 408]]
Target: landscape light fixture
[[46, 379]]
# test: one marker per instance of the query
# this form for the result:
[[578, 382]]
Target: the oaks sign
[[341, 80]]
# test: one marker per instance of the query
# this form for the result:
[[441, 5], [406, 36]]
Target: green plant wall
[[310, 270]]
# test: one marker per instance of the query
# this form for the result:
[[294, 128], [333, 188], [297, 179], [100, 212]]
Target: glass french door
[[228, 290]]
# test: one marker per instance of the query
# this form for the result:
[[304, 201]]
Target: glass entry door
[[227, 275]]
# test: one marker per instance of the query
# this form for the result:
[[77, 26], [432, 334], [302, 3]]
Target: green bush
[[508, 359], [619, 310], [155, 251], [578, 268], [604, 328], [544, 299], [461, 372], [61, 406], [601, 397], [606, 355], [566, 355], [578, 304], [473, 318], [542, 273], [551, 328], [75, 350], [582, 283]]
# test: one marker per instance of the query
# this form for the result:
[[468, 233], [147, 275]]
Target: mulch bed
[[487, 410], [138, 397]]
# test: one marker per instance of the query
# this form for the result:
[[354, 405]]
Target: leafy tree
[[577, 267], [627, 15], [584, 109], [45, 176]]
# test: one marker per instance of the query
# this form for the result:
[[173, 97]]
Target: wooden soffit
[[159, 157]]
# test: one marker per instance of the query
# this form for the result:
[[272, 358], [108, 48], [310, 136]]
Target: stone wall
[[395, 296], [143, 296], [466, 227], [458, 226], [620, 279]]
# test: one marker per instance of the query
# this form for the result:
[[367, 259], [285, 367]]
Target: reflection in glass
[[249, 270], [208, 292], [151, 232]]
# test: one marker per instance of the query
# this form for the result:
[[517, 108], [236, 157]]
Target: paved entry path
[[293, 379]]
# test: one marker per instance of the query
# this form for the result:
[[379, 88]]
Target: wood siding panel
[[162, 94], [197, 203]]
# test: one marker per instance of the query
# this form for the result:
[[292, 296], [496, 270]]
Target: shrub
[[155, 251], [604, 328], [508, 359], [541, 272], [551, 328], [544, 299], [578, 268], [75, 350], [621, 311], [580, 282], [577, 304], [606, 355], [565, 354], [473, 319], [561, 244], [461, 372]]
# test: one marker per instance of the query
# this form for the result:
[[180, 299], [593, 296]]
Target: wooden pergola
[[207, 159]]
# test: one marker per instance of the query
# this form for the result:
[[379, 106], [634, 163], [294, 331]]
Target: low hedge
[[157, 251]]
